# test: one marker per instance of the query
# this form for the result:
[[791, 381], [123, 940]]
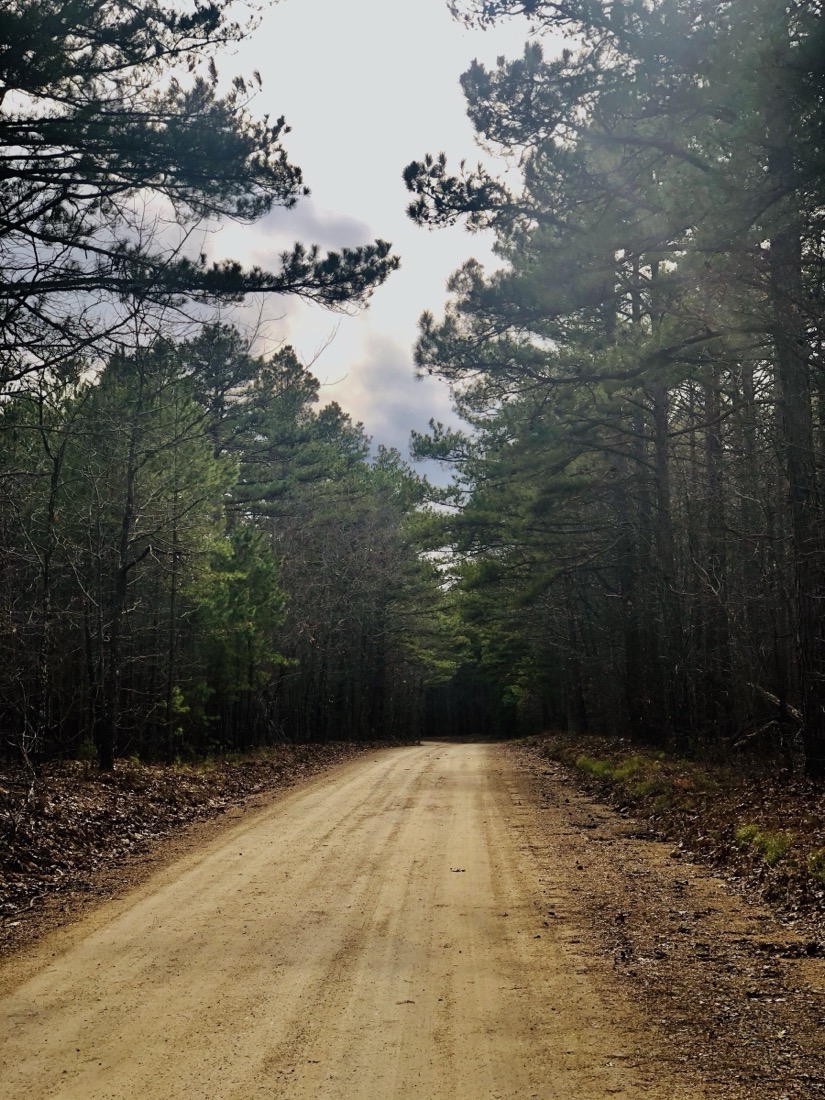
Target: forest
[[198, 558]]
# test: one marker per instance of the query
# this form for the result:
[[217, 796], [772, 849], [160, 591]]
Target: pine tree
[[116, 143], [658, 285]]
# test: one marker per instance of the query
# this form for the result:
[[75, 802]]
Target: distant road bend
[[378, 933]]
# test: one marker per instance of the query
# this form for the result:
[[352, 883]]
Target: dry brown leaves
[[61, 829], [734, 991]]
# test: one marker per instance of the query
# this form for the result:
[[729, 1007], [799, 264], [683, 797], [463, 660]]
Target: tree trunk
[[666, 558], [717, 641], [793, 371]]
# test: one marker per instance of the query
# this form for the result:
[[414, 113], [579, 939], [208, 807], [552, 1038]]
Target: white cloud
[[308, 223], [366, 86], [384, 393]]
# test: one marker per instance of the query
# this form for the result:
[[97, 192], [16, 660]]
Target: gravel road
[[384, 931]]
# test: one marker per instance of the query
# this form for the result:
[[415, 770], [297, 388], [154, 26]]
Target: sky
[[367, 86]]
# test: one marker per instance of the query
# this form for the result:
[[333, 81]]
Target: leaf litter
[[72, 833], [722, 951]]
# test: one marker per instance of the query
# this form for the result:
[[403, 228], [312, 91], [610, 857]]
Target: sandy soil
[[733, 992], [385, 931]]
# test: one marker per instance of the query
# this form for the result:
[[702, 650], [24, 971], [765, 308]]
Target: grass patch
[[816, 864], [649, 787], [602, 769], [641, 777], [629, 768], [744, 835], [771, 844]]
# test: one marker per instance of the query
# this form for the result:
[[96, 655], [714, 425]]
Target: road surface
[[382, 932]]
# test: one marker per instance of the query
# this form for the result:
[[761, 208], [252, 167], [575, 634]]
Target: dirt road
[[382, 932]]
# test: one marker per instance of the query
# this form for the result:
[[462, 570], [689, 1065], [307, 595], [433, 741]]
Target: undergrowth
[[771, 844], [697, 801]]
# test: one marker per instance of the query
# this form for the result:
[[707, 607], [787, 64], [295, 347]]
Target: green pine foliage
[[118, 139], [638, 488], [201, 560]]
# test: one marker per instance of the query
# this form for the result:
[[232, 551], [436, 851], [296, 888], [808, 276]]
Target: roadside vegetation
[[760, 824]]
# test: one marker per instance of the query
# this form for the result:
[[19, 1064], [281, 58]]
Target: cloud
[[310, 224], [382, 391]]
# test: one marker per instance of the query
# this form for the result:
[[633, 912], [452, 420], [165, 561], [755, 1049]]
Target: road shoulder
[[732, 1000]]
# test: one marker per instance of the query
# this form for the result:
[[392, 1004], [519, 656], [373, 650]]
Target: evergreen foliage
[[641, 487], [116, 141], [197, 559], [194, 557]]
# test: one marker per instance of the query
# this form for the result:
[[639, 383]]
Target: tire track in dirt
[[378, 934]]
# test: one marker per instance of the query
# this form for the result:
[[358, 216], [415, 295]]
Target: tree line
[[195, 557], [637, 520]]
